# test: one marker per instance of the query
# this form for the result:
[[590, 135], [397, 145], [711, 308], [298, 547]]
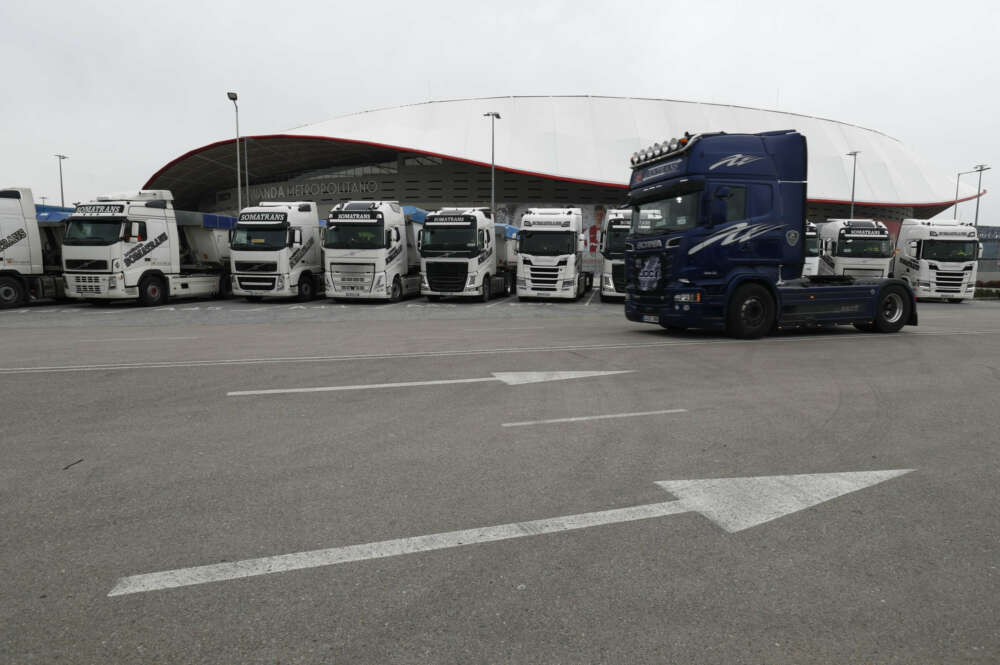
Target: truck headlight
[[568, 283], [112, 282], [472, 280], [423, 282], [521, 283], [924, 285], [327, 280], [280, 283], [687, 297], [608, 282], [380, 281]]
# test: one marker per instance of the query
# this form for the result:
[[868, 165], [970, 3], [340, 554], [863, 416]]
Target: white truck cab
[[463, 253], [275, 251], [30, 251], [611, 245], [550, 247], [938, 257], [859, 247], [811, 247], [371, 252], [136, 246]]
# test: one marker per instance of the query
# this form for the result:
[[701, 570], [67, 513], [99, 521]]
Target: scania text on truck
[[811, 265], [938, 258], [550, 247], [371, 252], [463, 253], [859, 247], [136, 246], [611, 245], [30, 251], [275, 251], [717, 241]]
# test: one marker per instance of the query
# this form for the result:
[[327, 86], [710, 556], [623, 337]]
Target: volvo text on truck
[[30, 250], [717, 242], [611, 245], [938, 258], [463, 253], [371, 252], [550, 250], [859, 247], [275, 251], [137, 247]]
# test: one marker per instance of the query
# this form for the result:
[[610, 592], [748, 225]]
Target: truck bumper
[[929, 293], [244, 285], [568, 294], [98, 287], [674, 314]]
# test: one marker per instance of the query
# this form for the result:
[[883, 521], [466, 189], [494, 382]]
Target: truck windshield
[[616, 242], [864, 248], [259, 239], [92, 231], [548, 243], [448, 240], [812, 246], [949, 250], [678, 213], [354, 236]]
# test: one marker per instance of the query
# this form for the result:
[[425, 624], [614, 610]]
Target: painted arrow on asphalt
[[734, 504], [510, 378]]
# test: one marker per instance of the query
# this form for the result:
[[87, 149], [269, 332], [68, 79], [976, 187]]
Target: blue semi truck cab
[[718, 241]]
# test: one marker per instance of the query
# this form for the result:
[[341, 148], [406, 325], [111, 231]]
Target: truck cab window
[[736, 204]]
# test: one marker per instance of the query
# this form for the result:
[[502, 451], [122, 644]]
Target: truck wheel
[[225, 287], [397, 290], [751, 312], [588, 282], [254, 298], [893, 309], [485, 297], [305, 288], [11, 292], [508, 285], [152, 291]]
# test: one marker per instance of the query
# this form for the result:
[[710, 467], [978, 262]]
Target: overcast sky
[[123, 87]]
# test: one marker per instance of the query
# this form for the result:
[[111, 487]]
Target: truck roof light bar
[[664, 149]]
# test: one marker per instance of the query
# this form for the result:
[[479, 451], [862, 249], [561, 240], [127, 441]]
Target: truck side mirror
[[600, 242], [581, 243], [231, 232], [720, 205], [912, 244], [297, 236]]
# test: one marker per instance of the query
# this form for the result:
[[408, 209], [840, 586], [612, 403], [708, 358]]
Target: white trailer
[[938, 257], [611, 244], [463, 253], [550, 249], [859, 247], [811, 245], [30, 251], [137, 247], [370, 252], [275, 251]]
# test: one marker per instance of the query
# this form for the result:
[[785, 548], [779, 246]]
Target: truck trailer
[[717, 242], [859, 247], [611, 245], [30, 250], [938, 258], [550, 250], [371, 252], [463, 253], [137, 247], [275, 251]]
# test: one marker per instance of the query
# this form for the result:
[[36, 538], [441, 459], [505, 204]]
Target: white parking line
[[593, 292], [601, 417], [133, 339]]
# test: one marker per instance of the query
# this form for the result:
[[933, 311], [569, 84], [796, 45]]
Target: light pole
[[62, 199], [979, 189], [239, 190], [854, 175], [493, 116], [958, 179]]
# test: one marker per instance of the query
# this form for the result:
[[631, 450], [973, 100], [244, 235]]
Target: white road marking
[[732, 503], [593, 292], [133, 339], [506, 329], [494, 304], [601, 417], [822, 339], [510, 378]]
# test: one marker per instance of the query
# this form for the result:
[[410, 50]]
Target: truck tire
[[487, 292], [11, 292], [893, 309], [508, 285], [152, 291], [306, 290], [751, 312], [588, 282], [397, 290], [225, 287]]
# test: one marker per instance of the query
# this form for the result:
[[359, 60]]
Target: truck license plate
[[650, 318]]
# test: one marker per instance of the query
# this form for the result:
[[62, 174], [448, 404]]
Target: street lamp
[[62, 199], [958, 179], [493, 116], [239, 191], [854, 175], [979, 189]]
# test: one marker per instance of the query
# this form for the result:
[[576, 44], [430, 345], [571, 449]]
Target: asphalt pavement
[[366, 435]]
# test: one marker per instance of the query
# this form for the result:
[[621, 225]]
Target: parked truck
[[811, 265], [550, 250], [938, 258], [137, 247], [463, 253], [724, 245], [30, 250], [859, 247], [371, 252], [275, 251], [611, 245]]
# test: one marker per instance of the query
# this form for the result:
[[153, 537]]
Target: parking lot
[[459, 482]]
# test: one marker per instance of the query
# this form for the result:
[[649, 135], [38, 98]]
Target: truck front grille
[[352, 276], [949, 281], [618, 276], [255, 266], [86, 264], [89, 284], [256, 283], [543, 278], [446, 276]]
